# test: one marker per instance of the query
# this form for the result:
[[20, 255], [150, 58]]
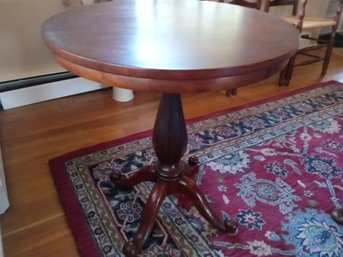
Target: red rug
[[276, 166]]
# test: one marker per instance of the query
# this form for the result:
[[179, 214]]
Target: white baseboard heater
[[31, 90]]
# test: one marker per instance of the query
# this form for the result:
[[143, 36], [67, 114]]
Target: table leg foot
[[130, 249], [191, 190], [146, 173], [193, 167], [337, 215], [153, 204]]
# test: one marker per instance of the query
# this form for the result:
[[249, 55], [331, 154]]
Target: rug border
[[85, 243], [261, 101], [134, 136]]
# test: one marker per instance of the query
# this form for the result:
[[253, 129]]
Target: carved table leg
[[169, 173], [156, 197], [170, 142], [286, 73], [146, 173], [337, 215], [188, 187]]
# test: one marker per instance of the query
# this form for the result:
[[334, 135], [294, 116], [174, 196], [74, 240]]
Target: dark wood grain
[[170, 46], [170, 137], [170, 40]]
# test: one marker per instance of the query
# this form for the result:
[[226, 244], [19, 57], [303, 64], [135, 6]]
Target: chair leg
[[290, 69], [286, 73], [232, 91], [289, 74], [282, 77], [328, 53]]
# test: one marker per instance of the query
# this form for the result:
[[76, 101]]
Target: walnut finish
[[178, 41], [172, 47]]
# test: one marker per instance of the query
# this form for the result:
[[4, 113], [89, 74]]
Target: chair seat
[[311, 22]]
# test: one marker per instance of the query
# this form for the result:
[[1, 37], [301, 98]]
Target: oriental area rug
[[276, 166]]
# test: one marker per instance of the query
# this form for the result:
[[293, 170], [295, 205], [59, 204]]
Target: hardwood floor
[[35, 225]]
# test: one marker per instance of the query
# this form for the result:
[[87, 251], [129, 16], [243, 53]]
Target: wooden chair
[[256, 5], [304, 23]]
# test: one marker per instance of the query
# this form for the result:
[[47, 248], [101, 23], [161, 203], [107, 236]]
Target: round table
[[171, 47]]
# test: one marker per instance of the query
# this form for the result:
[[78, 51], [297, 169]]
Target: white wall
[[24, 54], [22, 51]]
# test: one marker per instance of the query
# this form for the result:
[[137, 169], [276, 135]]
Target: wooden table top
[[170, 45]]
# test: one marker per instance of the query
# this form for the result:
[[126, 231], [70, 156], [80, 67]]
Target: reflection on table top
[[170, 39]]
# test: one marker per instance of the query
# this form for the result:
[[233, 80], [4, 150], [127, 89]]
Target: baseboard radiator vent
[[25, 91]]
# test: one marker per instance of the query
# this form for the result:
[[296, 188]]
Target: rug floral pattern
[[277, 167]]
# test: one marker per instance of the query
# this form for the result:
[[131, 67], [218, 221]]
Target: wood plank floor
[[35, 225]]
